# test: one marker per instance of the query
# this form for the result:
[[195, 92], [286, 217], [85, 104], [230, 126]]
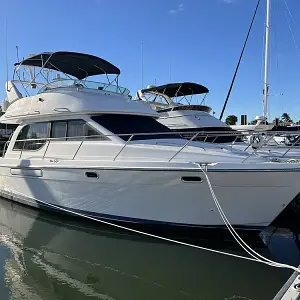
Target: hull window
[[91, 174], [191, 179]]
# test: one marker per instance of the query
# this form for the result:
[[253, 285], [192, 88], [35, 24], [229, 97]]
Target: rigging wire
[[240, 59], [289, 11], [291, 30]]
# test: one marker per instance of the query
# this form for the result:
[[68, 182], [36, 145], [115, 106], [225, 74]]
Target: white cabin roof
[[72, 100]]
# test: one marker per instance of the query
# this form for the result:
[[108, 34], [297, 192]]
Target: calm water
[[45, 256]]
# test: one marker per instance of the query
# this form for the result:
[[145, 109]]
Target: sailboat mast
[[266, 85], [142, 65]]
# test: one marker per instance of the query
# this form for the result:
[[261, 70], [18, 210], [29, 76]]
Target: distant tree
[[286, 118], [253, 122], [279, 121], [231, 120]]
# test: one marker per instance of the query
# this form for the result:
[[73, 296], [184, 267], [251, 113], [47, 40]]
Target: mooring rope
[[239, 240]]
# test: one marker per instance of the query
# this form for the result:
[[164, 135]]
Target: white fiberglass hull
[[249, 198]]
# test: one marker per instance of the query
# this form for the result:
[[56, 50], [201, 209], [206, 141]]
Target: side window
[[37, 131], [59, 129], [79, 128], [22, 136], [75, 129]]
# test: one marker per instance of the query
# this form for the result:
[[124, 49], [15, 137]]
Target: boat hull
[[156, 197]]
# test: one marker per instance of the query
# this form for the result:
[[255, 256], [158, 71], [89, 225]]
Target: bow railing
[[251, 142]]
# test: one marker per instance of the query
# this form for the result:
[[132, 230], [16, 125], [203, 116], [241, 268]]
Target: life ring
[[256, 141], [290, 140]]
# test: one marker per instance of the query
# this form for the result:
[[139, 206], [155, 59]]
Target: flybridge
[[52, 70], [162, 97]]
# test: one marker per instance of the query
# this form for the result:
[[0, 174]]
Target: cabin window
[[145, 127], [67, 129], [74, 130], [37, 131], [79, 128], [59, 129]]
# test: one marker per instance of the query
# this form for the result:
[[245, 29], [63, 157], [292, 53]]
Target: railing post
[[22, 149], [78, 148], [190, 140], [234, 141], [46, 149], [123, 147]]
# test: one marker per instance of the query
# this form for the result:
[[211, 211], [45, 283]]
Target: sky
[[184, 40]]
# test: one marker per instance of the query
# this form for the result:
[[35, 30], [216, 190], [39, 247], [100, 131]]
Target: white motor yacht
[[87, 147], [173, 102], [188, 119]]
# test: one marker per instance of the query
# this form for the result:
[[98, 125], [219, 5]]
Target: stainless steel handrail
[[267, 137]]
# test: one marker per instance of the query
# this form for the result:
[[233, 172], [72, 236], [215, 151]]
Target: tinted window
[[59, 129], [129, 124], [33, 131], [74, 130], [79, 128]]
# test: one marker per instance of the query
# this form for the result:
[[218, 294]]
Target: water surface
[[48, 256]]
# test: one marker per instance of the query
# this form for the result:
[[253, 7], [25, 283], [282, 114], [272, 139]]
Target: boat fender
[[256, 141], [292, 161]]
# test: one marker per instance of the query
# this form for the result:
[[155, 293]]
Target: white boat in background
[[173, 102], [87, 147], [189, 119], [260, 124]]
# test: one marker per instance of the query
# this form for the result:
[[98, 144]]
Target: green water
[[45, 256]]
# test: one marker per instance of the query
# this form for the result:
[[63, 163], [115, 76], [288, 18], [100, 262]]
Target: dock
[[291, 289]]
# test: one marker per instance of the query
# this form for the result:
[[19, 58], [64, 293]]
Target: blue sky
[[201, 38]]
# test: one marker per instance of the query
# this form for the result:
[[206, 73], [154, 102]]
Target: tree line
[[285, 118]]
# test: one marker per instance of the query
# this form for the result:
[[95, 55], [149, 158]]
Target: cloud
[[177, 10]]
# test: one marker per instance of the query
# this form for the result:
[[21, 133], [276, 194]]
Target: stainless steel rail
[[265, 138]]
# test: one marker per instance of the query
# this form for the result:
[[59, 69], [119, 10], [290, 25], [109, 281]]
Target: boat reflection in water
[[50, 257]]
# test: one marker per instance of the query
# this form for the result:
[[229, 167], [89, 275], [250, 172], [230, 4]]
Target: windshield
[[133, 124], [59, 83]]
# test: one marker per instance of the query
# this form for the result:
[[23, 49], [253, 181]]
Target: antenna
[[6, 55], [170, 70], [17, 48], [142, 64]]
